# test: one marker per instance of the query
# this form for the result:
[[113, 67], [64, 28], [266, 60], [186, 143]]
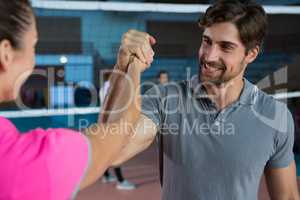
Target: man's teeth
[[212, 68]]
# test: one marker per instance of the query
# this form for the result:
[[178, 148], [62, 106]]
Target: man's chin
[[214, 81]]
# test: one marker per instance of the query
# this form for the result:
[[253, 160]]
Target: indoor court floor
[[143, 171]]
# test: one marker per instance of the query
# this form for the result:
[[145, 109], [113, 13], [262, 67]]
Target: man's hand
[[135, 44]]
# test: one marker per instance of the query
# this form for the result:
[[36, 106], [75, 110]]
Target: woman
[[45, 164]]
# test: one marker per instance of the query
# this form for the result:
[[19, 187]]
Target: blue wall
[[103, 29]]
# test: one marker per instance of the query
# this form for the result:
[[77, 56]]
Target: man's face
[[221, 54], [163, 78]]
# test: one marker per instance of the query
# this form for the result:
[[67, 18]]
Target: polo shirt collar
[[247, 97]]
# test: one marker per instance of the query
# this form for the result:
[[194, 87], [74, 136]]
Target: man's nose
[[212, 54]]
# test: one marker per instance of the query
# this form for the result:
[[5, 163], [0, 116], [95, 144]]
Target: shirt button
[[217, 123]]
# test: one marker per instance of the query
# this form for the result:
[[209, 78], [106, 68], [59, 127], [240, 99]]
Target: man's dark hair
[[162, 72], [15, 18], [249, 18]]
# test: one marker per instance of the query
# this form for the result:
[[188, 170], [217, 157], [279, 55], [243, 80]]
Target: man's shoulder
[[266, 102], [272, 111]]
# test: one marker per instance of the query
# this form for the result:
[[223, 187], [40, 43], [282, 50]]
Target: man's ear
[[252, 54], [6, 54]]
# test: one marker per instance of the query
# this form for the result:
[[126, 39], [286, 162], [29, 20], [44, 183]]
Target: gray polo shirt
[[211, 155]]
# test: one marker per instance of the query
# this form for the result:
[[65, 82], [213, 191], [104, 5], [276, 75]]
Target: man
[[220, 132], [163, 77]]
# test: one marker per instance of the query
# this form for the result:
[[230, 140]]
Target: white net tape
[[49, 112], [286, 95], [144, 7]]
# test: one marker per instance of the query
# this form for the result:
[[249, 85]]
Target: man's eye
[[226, 48], [206, 41]]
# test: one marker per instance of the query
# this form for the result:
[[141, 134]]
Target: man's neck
[[226, 93]]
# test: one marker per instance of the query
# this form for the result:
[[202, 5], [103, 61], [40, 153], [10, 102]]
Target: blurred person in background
[[163, 77]]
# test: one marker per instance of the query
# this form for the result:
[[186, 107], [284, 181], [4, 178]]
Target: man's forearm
[[113, 100], [122, 101], [133, 88], [121, 109], [112, 133]]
